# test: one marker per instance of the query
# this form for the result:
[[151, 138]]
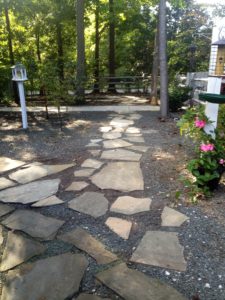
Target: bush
[[177, 96]]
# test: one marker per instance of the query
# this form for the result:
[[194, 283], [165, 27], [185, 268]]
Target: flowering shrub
[[209, 163]]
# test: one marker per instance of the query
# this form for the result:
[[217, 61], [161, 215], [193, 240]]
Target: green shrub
[[177, 96]]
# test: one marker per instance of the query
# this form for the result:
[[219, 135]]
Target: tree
[[112, 66], [163, 60], [80, 77]]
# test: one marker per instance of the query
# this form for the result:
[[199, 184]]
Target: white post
[[22, 104]]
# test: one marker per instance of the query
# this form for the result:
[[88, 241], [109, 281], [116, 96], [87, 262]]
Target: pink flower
[[222, 161], [200, 123], [206, 147]]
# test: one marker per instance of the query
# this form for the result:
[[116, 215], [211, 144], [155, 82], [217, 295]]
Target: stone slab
[[129, 205], [90, 297], [19, 249], [117, 143], [111, 135], [135, 139], [92, 163], [94, 152], [81, 239], [120, 154], [77, 186], [132, 285], [139, 148], [105, 128], [1, 236], [30, 192], [172, 217], [5, 209], [118, 122], [34, 224], [6, 183], [96, 140], [84, 172], [92, 145], [133, 130], [119, 226], [118, 129], [54, 278], [34, 172], [90, 203], [122, 176], [135, 116], [161, 249], [7, 164], [52, 200]]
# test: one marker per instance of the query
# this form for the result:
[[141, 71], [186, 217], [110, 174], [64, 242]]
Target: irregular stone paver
[[95, 152], [33, 224], [1, 235], [129, 205], [53, 200], [161, 249], [133, 134], [135, 139], [90, 203], [133, 130], [117, 122], [30, 192], [5, 183], [90, 297], [92, 163], [96, 140], [7, 164], [117, 143], [54, 278], [105, 128], [77, 186], [81, 239], [35, 172], [84, 172], [132, 285], [19, 249], [121, 154], [122, 176], [171, 217], [93, 145], [119, 226], [5, 209], [118, 129], [111, 135], [135, 116], [139, 148]]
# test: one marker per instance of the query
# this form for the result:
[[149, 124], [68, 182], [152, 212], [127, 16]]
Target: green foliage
[[177, 96]]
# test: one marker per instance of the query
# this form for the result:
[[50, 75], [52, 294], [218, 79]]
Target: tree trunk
[[37, 39], [80, 78], [163, 60], [155, 70], [97, 42], [111, 87], [60, 62], [10, 46]]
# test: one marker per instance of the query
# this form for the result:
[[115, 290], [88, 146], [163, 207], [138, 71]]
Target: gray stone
[[5, 209], [132, 285], [139, 148], [77, 186], [34, 172], [118, 129], [54, 278], [84, 172], [92, 145], [135, 139], [52, 200], [119, 226], [133, 130], [90, 203], [135, 116], [19, 249], [81, 239], [121, 154], [7, 164], [92, 163], [1, 236], [161, 249], [129, 205], [122, 176], [117, 122], [117, 143], [96, 140], [105, 128], [171, 217], [30, 192], [111, 135], [5, 183], [33, 224], [94, 152], [90, 297]]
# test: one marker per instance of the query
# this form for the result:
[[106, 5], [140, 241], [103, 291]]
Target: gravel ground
[[203, 236]]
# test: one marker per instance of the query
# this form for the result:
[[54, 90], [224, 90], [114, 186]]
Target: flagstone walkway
[[114, 164]]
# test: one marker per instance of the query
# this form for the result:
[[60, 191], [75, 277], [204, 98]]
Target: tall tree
[[97, 46], [163, 60], [80, 77], [112, 66]]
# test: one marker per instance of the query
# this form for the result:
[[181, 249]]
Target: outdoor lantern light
[[19, 74]]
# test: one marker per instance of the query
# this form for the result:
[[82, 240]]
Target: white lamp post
[[19, 74]]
